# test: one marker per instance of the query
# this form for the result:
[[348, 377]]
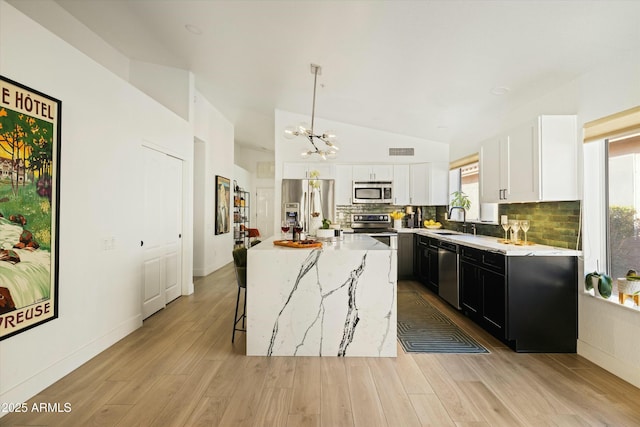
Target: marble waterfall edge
[[322, 302]]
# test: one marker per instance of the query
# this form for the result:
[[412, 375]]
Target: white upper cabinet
[[429, 184], [372, 172], [344, 184], [494, 168], [535, 162], [401, 185], [293, 170]]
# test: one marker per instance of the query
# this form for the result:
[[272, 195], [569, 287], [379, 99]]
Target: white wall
[[357, 145], [169, 86], [248, 159], [607, 332], [215, 134], [104, 123]]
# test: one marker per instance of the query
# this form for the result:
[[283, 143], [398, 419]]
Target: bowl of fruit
[[430, 223]]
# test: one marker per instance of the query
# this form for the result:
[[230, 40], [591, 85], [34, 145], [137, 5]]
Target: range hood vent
[[401, 152]]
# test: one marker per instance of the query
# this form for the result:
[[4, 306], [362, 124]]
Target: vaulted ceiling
[[421, 68]]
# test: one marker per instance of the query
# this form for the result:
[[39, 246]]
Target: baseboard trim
[[52, 373], [606, 361]]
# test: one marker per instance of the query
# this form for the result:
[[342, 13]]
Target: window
[[464, 176], [611, 197], [623, 205], [470, 185]]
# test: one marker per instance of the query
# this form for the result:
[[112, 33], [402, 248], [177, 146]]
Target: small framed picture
[[223, 202]]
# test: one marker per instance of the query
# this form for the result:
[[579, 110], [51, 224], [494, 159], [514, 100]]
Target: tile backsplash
[[343, 212], [552, 223]]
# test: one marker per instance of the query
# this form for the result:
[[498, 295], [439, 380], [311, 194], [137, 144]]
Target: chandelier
[[328, 137]]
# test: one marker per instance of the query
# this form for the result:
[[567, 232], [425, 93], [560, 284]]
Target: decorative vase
[[314, 225], [397, 224], [594, 281]]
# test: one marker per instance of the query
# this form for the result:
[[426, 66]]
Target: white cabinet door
[[535, 162], [362, 173], [293, 170], [524, 167], [420, 184], [325, 170], [372, 172], [439, 178], [382, 172], [401, 185], [492, 159], [558, 157], [344, 184]]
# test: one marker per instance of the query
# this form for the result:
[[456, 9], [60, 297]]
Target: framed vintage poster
[[223, 201], [29, 207]]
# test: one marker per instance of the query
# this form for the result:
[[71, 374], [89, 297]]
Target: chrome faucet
[[464, 213]]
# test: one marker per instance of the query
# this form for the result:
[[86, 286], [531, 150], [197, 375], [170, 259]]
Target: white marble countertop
[[491, 243], [351, 242]]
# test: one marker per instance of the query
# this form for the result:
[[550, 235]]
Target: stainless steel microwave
[[372, 192]]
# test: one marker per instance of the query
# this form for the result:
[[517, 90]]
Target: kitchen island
[[338, 300]]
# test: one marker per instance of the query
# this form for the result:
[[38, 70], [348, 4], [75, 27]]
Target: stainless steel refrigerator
[[302, 197]]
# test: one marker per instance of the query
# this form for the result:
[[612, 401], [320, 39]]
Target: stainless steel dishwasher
[[448, 288]]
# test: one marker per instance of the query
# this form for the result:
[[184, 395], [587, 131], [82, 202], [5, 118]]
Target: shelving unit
[[241, 218]]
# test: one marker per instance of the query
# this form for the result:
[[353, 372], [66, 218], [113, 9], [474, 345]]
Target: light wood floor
[[180, 369]]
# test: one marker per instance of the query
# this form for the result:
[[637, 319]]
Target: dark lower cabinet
[[433, 275], [528, 302], [405, 255], [483, 289], [426, 261], [493, 298], [469, 289]]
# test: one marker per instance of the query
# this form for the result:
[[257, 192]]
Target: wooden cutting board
[[305, 244]]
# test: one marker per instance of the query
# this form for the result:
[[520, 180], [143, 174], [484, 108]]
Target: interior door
[[173, 228], [161, 230], [153, 285], [264, 211]]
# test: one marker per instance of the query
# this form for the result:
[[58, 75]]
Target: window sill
[[613, 299]]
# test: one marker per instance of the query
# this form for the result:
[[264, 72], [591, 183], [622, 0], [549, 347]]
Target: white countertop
[[351, 242], [491, 243]]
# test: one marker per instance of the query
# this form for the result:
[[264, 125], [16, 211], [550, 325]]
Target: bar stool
[[240, 268]]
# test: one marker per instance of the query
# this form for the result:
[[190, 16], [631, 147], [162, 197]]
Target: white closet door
[[173, 228], [161, 236]]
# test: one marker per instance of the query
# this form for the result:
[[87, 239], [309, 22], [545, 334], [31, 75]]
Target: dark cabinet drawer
[[490, 260], [471, 254], [494, 261]]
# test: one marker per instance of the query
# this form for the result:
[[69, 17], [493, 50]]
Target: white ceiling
[[420, 68]]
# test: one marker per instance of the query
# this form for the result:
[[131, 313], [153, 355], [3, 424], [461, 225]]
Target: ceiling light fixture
[[500, 90], [303, 129], [193, 29]]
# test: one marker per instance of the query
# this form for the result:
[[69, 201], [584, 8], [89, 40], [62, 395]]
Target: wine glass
[[297, 229], [524, 225], [285, 228], [515, 226], [505, 227]]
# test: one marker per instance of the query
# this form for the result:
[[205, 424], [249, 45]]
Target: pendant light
[[327, 138]]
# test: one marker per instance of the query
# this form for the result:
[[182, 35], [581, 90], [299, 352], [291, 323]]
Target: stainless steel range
[[377, 226]]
